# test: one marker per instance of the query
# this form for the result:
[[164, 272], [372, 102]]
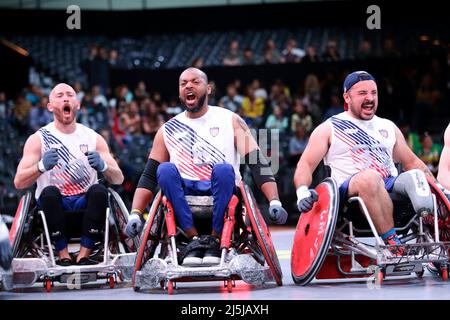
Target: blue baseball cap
[[354, 78]]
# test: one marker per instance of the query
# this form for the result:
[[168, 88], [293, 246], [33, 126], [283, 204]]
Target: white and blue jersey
[[196, 145], [72, 175], [360, 144]]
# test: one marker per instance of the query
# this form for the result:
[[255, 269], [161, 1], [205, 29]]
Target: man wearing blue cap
[[361, 148]]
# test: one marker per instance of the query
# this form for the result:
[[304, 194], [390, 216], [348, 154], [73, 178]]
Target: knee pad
[[97, 190], [414, 185], [51, 191]]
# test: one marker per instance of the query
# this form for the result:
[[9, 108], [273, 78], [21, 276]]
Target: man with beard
[[64, 158], [361, 148], [197, 153]]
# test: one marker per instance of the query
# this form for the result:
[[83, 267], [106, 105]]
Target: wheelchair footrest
[[244, 266], [6, 280]]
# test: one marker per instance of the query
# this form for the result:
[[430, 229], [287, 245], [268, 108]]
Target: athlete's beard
[[199, 105]]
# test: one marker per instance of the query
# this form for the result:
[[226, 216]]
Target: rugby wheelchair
[[34, 256], [326, 244], [5, 258], [247, 251]]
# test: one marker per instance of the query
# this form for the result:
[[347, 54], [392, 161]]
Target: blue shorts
[[343, 189], [72, 203]]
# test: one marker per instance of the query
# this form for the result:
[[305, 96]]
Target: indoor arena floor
[[403, 288]]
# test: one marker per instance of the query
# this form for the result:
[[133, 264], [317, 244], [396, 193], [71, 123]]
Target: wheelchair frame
[[42, 267], [247, 252], [342, 255]]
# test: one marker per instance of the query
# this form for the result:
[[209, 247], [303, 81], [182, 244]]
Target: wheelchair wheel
[[259, 228], [443, 209], [18, 226], [314, 233], [120, 215], [149, 238]]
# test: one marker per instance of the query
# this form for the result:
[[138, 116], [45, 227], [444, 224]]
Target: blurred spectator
[[232, 100], [430, 152], [79, 90], [140, 93], [301, 117], [260, 91], [279, 94], [334, 108], [131, 120], [331, 52], [97, 68], [311, 98], [113, 58], [364, 51], [311, 55], [426, 101], [173, 108], [389, 50], [252, 108], [271, 54], [248, 57], [291, 53], [39, 115], [213, 96], [297, 145], [276, 120], [33, 95], [412, 138], [233, 57], [198, 63], [21, 113], [124, 94], [151, 120], [99, 99], [5, 106]]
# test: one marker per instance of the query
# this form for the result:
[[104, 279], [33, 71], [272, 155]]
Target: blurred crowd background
[[283, 77]]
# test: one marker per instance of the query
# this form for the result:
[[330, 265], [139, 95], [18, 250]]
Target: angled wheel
[[149, 239], [260, 229], [443, 210], [314, 233], [18, 226], [120, 215]]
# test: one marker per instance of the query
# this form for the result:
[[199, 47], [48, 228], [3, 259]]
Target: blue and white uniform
[[72, 175], [358, 145], [203, 160]]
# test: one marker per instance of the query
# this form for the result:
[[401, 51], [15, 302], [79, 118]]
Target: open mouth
[[368, 106], [66, 110], [190, 97]]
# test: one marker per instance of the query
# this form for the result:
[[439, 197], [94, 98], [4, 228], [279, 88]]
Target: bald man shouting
[[63, 158]]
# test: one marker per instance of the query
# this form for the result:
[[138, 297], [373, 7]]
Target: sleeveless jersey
[[72, 175], [195, 145], [357, 145]]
